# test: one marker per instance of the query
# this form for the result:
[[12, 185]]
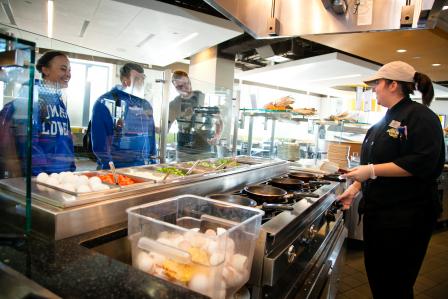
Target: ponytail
[[424, 85]]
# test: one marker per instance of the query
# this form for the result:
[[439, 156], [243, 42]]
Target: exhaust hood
[[272, 18]]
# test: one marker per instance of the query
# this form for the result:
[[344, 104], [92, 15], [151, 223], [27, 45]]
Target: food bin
[[77, 184], [200, 243]]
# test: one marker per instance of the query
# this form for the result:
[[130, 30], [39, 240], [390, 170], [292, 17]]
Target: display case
[[17, 59], [285, 133], [343, 133]]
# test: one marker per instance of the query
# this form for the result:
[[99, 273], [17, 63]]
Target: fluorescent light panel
[[278, 58], [84, 28], [185, 39], [50, 12], [145, 40], [8, 11]]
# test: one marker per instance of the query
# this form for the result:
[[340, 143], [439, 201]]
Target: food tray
[[138, 180], [113, 188], [153, 169]]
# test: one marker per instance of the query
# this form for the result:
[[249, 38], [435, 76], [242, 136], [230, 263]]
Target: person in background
[[122, 123], [401, 158], [52, 144], [199, 128]]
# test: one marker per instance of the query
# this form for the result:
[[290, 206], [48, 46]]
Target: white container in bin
[[203, 244]]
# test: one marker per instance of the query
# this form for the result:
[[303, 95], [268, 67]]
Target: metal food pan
[[216, 162], [197, 168], [113, 189], [249, 160], [154, 168], [138, 180], [143, 173]]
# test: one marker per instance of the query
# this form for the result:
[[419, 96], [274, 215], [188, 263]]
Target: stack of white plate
[[339, 154], [288, 151]]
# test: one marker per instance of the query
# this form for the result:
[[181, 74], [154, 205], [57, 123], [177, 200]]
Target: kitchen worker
[[123, 124], [52, 144], [401, 158], [199, 128]]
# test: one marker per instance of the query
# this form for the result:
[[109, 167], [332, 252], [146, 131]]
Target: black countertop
[[72, 271]]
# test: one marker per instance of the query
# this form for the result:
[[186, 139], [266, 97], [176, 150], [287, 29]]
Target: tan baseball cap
[[395, 70]]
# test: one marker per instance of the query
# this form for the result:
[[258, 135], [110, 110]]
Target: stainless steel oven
[[299, 252]]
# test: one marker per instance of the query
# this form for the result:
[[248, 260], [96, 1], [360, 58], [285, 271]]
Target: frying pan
[[306, 177], [236, 199], [286, 182], [266, 193]]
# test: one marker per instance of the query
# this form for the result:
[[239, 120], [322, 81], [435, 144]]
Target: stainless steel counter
[[58, 222]]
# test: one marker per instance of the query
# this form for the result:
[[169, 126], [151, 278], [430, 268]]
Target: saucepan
[[236, 199]]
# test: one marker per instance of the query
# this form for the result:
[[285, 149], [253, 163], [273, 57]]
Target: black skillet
[[266, 193], [303, 176], [236, 199], [287, 183], [270, 194]]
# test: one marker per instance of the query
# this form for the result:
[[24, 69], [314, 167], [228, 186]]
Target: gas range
[[286, 203], [294, 243]]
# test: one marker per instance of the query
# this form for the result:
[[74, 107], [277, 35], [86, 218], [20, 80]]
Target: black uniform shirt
[[410, 135]]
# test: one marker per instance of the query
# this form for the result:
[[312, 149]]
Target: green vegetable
[[208, 164], [172, 170]]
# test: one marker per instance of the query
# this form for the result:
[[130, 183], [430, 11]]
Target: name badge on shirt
[[393, 132], [395, 124]]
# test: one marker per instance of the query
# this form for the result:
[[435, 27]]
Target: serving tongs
[[221, 166], [114, 172], [166, 176], [192, 167]]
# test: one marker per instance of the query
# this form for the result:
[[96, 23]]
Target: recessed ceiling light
[[435, 64], [445, 7], [401, 50], [50, 12]]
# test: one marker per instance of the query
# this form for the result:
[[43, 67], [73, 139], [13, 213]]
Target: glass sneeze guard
[[17, 59]]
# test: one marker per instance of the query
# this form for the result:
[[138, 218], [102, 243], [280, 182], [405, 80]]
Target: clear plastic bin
[[203, 244]]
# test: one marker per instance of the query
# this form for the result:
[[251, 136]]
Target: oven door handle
[[320, 281]]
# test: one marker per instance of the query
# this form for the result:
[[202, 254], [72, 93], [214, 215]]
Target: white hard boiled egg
[[83, 189], [68, 187], [53, 181], [42, 177], [94, 181]]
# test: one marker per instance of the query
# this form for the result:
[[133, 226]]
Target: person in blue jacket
[[52, 144], [123, 128]]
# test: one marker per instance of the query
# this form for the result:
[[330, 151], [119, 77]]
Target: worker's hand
[[214, 140], [361, 173], [348, 196]]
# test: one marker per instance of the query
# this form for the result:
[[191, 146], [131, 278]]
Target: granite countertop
[[72, 271]]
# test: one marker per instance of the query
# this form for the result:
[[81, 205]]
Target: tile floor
[[432, 282]]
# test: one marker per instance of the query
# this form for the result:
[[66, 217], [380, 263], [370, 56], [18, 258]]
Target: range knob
[[329, 216], [291, 254]]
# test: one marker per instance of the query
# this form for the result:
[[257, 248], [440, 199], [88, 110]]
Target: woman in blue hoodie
[[123, 128], [52, 144]]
